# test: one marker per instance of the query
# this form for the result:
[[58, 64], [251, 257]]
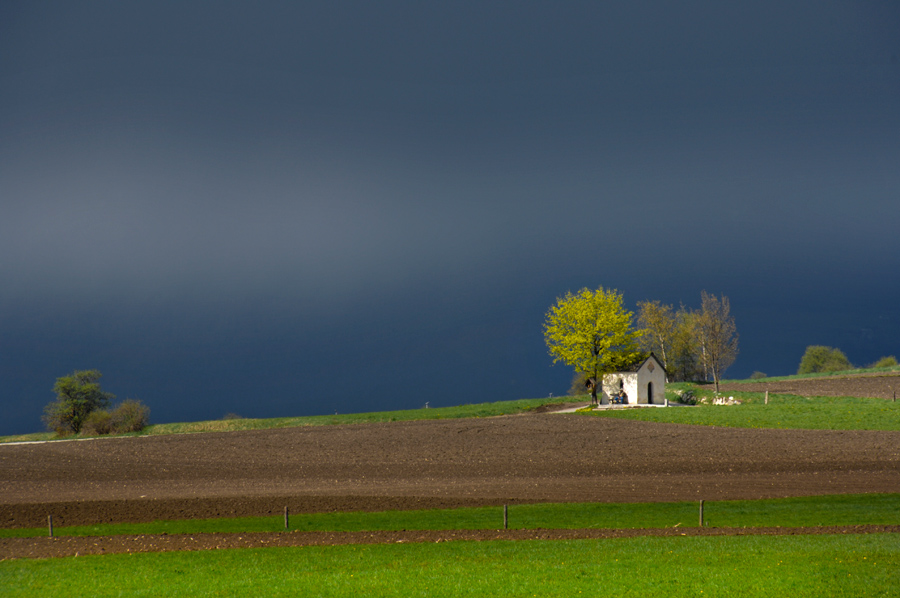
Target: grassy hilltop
[[782, 411]]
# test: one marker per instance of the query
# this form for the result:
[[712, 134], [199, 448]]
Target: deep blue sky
[[280, 208]]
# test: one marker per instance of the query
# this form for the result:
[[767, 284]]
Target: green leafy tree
[[77, 395], [818, 359], [592, 332]]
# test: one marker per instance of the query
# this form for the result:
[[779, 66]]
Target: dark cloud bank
[[288, 209]]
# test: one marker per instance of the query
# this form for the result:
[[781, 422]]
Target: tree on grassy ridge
[[592, 332], [77, 395], [691, 344], [820, 359], [660, 325], [685, 350], [717, 335]]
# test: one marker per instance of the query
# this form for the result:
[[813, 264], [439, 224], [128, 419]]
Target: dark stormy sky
[[290, 208]]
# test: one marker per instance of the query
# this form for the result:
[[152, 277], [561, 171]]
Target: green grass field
[[783, 411], [796, 566]]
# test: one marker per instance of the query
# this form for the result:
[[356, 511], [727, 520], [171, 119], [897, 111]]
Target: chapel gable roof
[[639, 364]]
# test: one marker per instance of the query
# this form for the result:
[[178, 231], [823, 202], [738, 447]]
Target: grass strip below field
[[845, 509], [832, 565]]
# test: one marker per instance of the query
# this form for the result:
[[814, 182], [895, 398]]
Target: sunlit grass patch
[[783, 411], [461, 411], [845, 565]]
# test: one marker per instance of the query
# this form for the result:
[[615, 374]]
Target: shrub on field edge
[[885, 362], [688, 398], [130, 416], [818, 358], [97, 423]]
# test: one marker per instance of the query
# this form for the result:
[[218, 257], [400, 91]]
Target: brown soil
[[879, 386], [82, 546], [419, 464]]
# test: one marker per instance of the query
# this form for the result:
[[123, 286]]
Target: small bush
[[758, 375], [885, 362], [229, 416], [97, 423], [819, 359], [130, 416], [688, 398]]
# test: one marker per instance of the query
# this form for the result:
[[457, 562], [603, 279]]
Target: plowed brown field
[[878, 386], [426, 464]]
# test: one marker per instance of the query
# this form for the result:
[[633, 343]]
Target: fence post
[[701, 513], [767, 397], [505, 516], [286, 522], [50, 524]]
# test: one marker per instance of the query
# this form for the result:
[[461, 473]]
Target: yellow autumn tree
[[592, 332]]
